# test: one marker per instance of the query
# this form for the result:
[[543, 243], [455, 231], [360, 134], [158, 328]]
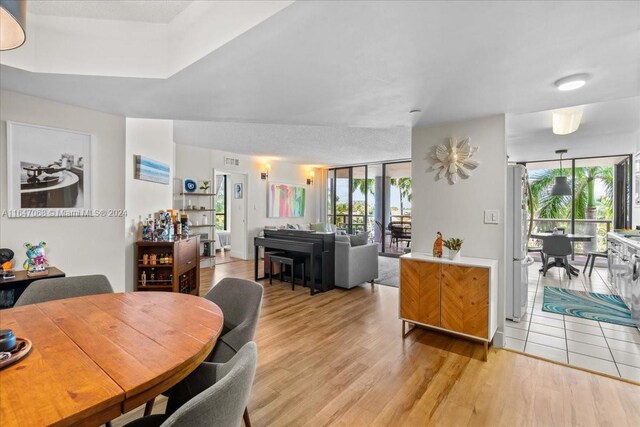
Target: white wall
[[198, 163], [458, 210], [75, 245], [154, 139]]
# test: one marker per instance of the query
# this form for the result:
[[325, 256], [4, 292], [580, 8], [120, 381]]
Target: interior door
[[238, 215]]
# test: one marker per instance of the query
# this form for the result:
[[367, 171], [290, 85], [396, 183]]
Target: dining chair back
[[213, 395], [240, 301], [558, 247], [64, 287]]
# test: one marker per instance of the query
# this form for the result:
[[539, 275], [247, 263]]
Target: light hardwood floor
[[338, 359]]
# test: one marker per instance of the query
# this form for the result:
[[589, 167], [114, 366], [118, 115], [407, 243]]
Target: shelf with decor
[[182, 274], [204, 197], [195, 193]]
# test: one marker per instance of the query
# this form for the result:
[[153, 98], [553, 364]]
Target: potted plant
[[454, 245], [204, 187]]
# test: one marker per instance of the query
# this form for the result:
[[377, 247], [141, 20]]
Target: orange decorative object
[[7, 266], [437, 246]]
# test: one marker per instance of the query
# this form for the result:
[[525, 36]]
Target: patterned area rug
[[588, 305]]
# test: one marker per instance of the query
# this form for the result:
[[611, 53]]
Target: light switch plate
[[491, 216]]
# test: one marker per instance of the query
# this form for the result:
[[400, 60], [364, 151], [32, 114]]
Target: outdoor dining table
[[572, 238], [96, 357]]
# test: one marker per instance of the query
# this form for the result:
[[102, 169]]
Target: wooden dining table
[[572, 238], [96, 357]]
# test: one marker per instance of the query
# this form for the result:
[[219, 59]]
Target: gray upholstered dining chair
[[215, 394], [240, 301], [556, 247], [64, 287]]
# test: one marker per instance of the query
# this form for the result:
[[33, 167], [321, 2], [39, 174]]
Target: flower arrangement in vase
[[454, 245]]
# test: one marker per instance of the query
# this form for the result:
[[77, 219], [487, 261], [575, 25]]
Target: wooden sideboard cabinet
[[182, 274], [455, 296]]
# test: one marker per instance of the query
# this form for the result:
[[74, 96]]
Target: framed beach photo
[[49, 171]]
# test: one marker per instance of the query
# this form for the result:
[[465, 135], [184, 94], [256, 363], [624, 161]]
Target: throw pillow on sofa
[[322, 227], [359, 239], [343, 238]]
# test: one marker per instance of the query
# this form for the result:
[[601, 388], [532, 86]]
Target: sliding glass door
[[348, 199], [373, 198]]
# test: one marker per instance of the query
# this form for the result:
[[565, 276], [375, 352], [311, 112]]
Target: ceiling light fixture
[[566, 120], [575, 81], [561, 186], [13, 23]]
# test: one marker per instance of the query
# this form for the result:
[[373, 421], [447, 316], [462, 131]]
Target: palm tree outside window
[[592, 210]]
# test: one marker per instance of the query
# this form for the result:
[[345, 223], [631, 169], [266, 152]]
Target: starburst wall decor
[[454, 159]]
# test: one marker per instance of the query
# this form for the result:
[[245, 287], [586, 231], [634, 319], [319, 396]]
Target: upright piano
[[318, 248]]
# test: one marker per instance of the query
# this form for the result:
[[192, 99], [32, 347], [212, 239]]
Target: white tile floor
[[598, 346]]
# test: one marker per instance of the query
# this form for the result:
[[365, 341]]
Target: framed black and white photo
[[237, 191], [49, 171]]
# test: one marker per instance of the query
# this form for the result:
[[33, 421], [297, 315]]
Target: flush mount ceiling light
[[13, 22], [561, 186], [566, 120], [575, 81]]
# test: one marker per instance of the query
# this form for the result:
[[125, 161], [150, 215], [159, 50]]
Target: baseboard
[[498, 339]]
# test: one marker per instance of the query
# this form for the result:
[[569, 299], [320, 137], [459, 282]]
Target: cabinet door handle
[[189, 262]]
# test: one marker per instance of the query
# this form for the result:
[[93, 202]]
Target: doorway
[[231, 217]]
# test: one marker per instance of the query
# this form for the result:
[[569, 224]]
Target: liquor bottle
[[140, 233], [150, 228]]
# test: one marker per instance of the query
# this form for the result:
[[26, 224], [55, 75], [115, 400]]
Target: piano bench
[[291, 261]]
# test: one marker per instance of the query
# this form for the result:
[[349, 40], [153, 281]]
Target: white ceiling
[[607, 128], [366, 64], [157, 11], [319, 145]]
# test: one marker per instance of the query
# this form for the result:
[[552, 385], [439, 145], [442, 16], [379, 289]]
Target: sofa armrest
[[355, 264]]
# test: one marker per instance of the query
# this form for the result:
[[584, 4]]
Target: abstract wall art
[[286, 200]]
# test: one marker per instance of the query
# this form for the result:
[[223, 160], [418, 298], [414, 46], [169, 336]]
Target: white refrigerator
[[517, 239]]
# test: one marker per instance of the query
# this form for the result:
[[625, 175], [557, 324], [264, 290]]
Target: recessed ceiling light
[[572, 82]]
